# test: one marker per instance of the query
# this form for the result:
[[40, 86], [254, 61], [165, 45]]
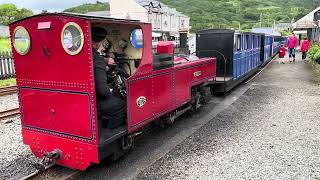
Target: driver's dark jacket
[[100, 75], [108, 106]]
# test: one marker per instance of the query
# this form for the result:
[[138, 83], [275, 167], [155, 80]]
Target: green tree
[[89, 7], [241, 13], [10, 13]]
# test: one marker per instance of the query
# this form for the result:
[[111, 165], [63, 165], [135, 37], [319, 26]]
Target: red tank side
[[159, 92], [191, 74]]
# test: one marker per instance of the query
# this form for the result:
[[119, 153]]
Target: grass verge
[[8, 82]]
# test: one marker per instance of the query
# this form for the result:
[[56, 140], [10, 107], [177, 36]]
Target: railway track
[[9, 113], [8, 90], [53, 172]]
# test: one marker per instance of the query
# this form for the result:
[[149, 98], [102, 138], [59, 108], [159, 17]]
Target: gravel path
[[271, 132]]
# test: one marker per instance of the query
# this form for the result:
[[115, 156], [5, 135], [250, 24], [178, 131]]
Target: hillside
[[89, 7], [229, 13], [244, 13]]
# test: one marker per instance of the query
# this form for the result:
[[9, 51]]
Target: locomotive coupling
[[54, 155], [48, 159]]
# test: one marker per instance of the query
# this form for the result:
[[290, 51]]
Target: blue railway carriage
[[266, 49], [237, 53]]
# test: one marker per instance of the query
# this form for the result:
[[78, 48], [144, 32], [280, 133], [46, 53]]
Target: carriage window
[[238, 43], [136, 38], [247, 42], [266, 42], [72, 38]]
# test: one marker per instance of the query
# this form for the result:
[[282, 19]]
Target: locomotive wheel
[[125, 144], [197, 102]]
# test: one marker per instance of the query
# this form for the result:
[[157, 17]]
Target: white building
[[162, 17], [167, 23]]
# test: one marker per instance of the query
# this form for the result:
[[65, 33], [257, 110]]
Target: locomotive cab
[[124, 44]]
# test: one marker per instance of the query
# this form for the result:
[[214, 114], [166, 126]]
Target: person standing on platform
[[282, 54], [293, 43], [305, 48]]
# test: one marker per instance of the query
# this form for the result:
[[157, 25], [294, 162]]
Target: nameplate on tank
[[44, 25], [197, 74], [141, 101]]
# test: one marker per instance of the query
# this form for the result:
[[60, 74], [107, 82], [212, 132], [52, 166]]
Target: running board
[[179, 113]]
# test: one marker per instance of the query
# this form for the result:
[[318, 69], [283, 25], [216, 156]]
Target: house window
[[182, 22]]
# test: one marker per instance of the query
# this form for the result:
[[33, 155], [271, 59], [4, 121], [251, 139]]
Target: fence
[[6, 66]]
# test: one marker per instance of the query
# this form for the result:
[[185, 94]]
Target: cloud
[[50, 5]]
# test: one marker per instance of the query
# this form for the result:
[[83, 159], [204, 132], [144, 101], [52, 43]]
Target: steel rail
[[8, 90], [9, 113], [53, 172]]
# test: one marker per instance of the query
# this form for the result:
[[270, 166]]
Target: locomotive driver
[[109, 106]]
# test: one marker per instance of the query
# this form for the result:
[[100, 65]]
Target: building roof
[[306, 22], [158, 6]]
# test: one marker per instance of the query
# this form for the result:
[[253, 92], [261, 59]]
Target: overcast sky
[[51, 5]]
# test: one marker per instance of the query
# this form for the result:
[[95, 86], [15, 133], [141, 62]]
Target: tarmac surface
[[267, 128]]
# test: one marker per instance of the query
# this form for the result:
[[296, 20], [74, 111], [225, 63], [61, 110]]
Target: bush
[[314, 53]]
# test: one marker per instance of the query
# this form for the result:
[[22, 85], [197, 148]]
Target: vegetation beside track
[[5, 45], [316, 70], [8, 82], [314, 56]]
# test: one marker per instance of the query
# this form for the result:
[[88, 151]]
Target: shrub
[[314, 53]]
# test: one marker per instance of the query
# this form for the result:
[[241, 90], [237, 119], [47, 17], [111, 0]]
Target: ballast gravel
[[8, 102], [15, 158], [271, 132]]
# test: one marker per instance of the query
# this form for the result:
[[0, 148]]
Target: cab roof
[[83, 16]]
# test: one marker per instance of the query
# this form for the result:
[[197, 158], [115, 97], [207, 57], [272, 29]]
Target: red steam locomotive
[[56, 85]]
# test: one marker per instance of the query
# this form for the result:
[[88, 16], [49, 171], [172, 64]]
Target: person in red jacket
[[305, 48], [282, 53], [292, 44]]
